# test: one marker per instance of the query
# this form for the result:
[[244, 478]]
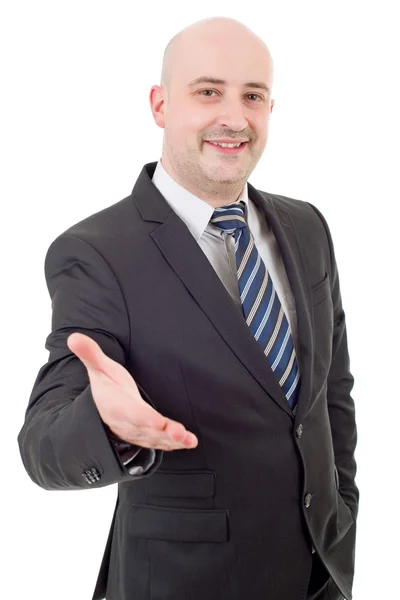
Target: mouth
[[222, 150]]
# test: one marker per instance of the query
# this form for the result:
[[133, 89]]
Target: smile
[[226, 149]]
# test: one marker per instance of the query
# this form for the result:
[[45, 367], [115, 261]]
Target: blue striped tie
[[260, 303]]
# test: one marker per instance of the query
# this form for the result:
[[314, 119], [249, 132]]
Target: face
[[192, 112]]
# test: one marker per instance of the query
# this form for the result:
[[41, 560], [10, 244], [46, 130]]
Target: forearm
[[61, 439]]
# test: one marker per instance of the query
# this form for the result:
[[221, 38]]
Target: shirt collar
[[193, 211]]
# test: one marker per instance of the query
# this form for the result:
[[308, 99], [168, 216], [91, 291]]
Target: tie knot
[[230, 217]]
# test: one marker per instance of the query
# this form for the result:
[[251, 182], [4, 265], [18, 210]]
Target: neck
[[221, 194]]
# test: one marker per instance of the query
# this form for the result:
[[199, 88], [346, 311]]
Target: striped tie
[[260, 303]]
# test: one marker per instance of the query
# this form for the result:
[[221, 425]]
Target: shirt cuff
[[139, 459]]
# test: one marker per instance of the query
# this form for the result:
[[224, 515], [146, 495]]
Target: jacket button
[[299, 431], [307, 500]]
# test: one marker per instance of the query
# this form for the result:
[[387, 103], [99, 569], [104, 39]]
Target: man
[[198, 357]]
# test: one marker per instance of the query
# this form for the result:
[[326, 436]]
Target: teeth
[[226, 145]]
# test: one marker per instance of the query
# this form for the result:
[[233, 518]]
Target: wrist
[[112, 435]]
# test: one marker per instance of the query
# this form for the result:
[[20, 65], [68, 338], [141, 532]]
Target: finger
[[176, 431], [179, 434], [161, 430], [167, 444], [172, 429], [169, 448], [189, 441]]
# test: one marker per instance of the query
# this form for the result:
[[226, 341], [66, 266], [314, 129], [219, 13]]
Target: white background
[[76, 130]]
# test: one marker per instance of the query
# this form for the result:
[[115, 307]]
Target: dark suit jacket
[[235, 517]]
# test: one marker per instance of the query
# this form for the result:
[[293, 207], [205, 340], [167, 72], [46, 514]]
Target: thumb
[[88, 351]]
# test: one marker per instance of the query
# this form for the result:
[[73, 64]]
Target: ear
[[157, 104]]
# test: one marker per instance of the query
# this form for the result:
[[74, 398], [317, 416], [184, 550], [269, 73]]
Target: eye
[[213, 91], [256, 95], [201, 91]]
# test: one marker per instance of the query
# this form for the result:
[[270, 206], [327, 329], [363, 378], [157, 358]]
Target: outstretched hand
[[120, 404]]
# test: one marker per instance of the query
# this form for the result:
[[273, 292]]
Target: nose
[[232, 115]]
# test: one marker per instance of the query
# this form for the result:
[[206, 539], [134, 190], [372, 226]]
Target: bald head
[[216, 85], [198, 36]]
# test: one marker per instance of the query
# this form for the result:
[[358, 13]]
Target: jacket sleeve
[[341, 405], [63, 437]]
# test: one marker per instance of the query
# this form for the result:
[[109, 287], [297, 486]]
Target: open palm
[[120, 404]]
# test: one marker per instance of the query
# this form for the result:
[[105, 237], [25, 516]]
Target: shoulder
[[109, 226], [302, 213], [107, 220]]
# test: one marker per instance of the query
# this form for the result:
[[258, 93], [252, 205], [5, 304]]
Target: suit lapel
[[285, 234], [189, 262]]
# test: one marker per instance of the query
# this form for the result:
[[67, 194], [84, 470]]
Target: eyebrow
[[249, 84]]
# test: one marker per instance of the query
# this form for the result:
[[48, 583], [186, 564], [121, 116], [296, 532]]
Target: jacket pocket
[[178, 524]]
